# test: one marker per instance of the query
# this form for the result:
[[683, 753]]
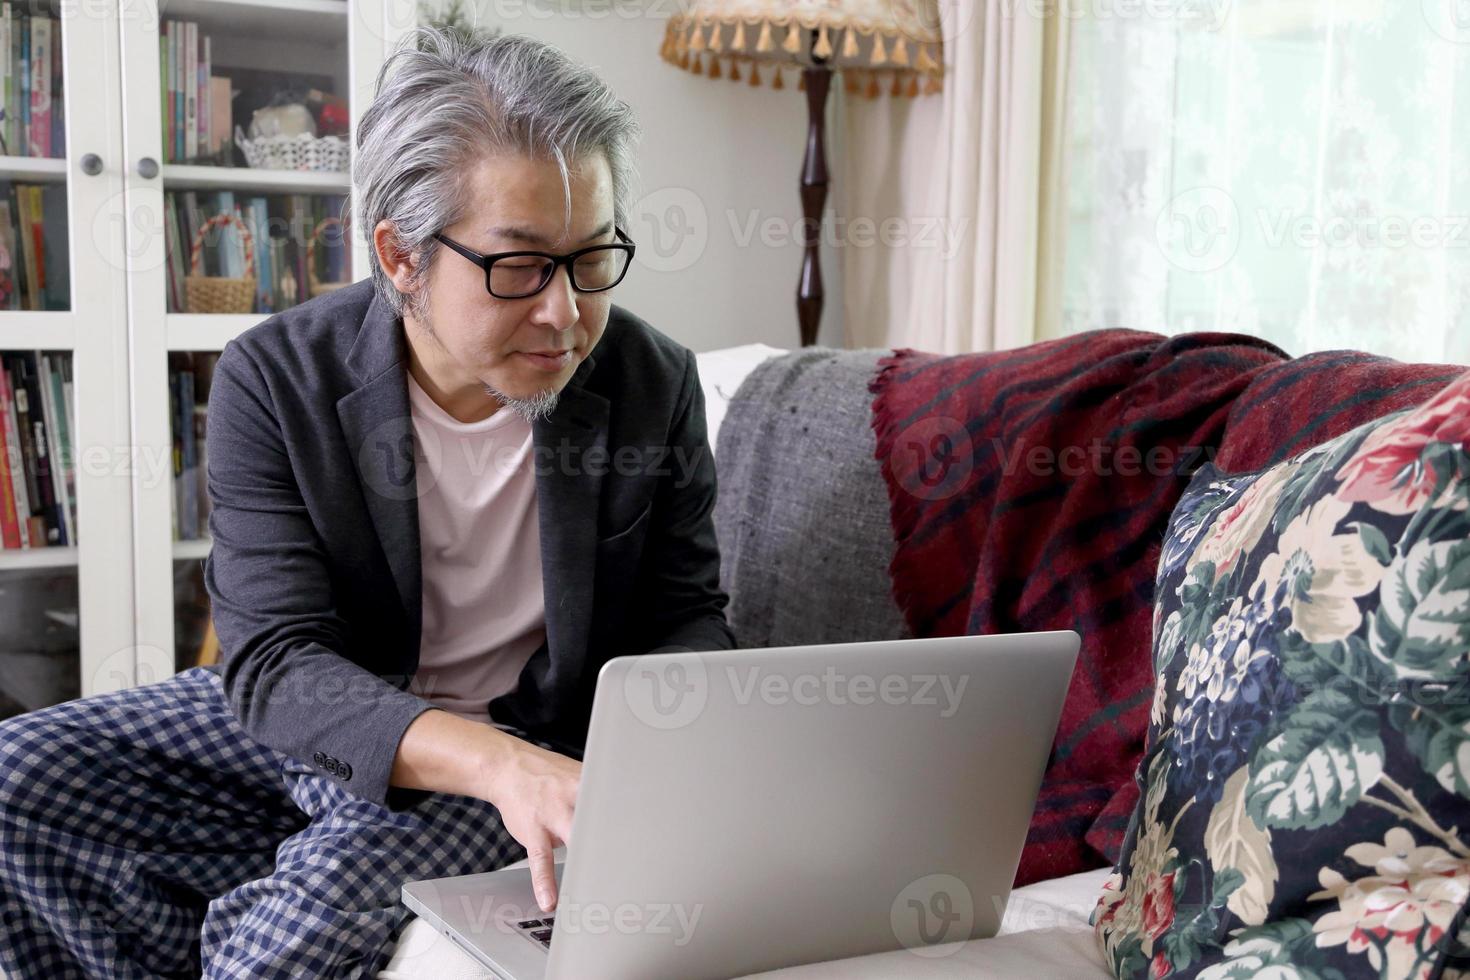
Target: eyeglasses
[[516, 275]]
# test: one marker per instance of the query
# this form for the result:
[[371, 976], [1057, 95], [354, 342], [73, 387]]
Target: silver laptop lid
[[746, 810]]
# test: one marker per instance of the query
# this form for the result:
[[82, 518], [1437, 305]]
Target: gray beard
[[533, 409]]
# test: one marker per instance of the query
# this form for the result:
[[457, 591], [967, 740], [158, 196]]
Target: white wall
[[718, 160]]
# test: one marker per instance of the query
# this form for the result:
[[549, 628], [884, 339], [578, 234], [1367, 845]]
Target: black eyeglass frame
[[486, 261]]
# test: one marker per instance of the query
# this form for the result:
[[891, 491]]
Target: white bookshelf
[[38, 170], [26, 558], [206, 331], [120, 335], [27, 330], [183, 176], [191, 550]]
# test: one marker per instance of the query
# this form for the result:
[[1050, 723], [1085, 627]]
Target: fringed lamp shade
[[879, 46]]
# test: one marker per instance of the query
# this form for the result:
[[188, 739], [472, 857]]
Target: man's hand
[[534, 790]]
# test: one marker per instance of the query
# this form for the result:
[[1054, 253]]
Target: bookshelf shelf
[[31, 558], [316, 21], [207, 331], [189, 550], [26, 330], [181, 176], [33, 169]]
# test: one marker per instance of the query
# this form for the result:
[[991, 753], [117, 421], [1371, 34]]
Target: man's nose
[[556, 305]]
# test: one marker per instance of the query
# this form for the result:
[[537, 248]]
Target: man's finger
[[542, 861]]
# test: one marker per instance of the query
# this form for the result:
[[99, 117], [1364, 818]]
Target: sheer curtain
[[968, 184], [1294, 169]]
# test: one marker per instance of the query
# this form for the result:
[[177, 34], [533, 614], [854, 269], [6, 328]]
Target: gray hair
[[445, 97]]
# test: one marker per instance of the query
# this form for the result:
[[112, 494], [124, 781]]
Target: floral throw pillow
[[1306, 780]]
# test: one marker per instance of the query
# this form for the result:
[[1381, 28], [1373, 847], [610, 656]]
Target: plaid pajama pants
[[143, 834]]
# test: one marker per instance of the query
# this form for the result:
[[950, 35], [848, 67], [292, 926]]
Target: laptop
[[746, 810]]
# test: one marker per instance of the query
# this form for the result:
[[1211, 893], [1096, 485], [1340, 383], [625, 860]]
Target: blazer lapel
[[379, 431], [568, 498]]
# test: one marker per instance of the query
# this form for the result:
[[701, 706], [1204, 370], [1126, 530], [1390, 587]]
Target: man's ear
[[395, 260]]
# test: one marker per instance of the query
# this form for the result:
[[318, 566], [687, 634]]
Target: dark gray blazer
[[314, 574]]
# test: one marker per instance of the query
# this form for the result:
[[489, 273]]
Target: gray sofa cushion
[[802, 515]]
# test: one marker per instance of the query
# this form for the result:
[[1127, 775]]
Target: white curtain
[[1293, 169], [967, 183]]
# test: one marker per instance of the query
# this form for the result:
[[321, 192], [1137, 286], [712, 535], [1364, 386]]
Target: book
[[228, 237], [40, 129], [190, 228], [176, 80], [13, 93], [9, 283], [7, 111], [58, 100], [308, 225], [333, 244], [9, 461], [41, 445], [69, 403], [172, 250], [14, 245], [190, 375], [221, 125], [68, 417], [55, 450], [260, 230], [176, 453], [38, 242], [167, 71], [20, 402], [164, 95], [63, 456], [23, 107], [181, 100], [188, 483], [16, 458], [206, 101], [27, 257], [190, 88], [201, 428], [56, 270]]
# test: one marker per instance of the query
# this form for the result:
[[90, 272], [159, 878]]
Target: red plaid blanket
[[1030, 490]]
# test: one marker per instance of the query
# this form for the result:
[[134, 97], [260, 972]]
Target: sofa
[[829, 534], [796, 575]]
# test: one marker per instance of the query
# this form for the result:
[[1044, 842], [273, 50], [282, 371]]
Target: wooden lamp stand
[[809, 295]]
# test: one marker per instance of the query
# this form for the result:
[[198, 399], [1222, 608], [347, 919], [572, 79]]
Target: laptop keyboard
[[537, 929]]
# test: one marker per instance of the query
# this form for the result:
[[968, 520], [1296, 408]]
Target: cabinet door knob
[[147, 168], [91, 165]]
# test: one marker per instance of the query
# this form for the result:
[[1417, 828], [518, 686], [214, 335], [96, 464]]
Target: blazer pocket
[[627, 533]]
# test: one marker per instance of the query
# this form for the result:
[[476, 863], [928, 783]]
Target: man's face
[[475, 346]]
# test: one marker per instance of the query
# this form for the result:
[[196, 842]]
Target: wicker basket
[[314, 286], [300, 152], [220, 294]]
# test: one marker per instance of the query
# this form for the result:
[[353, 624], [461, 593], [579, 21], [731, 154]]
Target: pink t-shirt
[[484, 611]]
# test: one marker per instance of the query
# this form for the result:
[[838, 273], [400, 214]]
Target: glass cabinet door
[[240, 121], [66, 626]]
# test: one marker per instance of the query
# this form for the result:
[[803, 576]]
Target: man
[[442, 499]]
